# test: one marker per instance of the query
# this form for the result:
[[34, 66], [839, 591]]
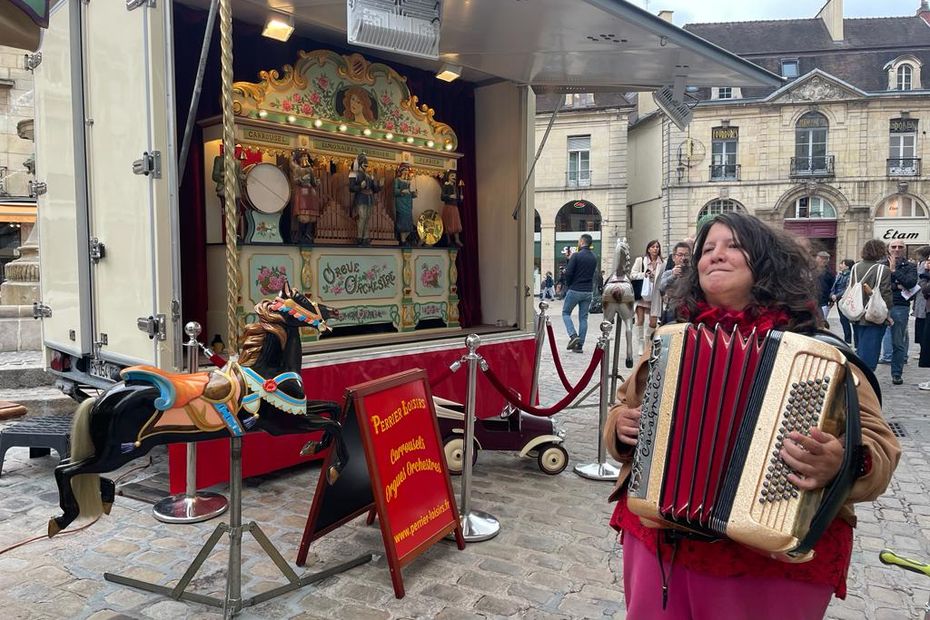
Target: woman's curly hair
[[783, 272]]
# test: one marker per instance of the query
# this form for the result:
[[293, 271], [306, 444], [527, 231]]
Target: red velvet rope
[[555, 356], [442, 377], [573, 392]]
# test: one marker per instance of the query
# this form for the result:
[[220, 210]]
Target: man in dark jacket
[[903, 280], [825, 277], [579, 284]]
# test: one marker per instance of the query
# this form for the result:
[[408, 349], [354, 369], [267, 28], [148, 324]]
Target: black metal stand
[[233, 602]]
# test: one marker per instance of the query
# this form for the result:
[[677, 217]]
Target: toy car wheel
[[454, 448], [552, 459]]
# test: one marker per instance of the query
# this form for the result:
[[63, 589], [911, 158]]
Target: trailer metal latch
[[40, 310], [37, 188], [150, 164], [98, 250], [32, 61], [135, 4], [154, 326]]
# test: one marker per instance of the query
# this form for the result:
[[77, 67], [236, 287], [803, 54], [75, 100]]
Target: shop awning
[[21, 22], [577, 44], [17, 211]]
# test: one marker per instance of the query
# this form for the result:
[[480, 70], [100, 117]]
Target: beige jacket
[[876, 435]]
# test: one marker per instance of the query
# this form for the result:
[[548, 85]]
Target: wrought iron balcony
[[724, 172], [819, 166], [578, 178], [904, 167]]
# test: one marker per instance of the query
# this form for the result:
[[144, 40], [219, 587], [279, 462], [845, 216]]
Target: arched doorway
[[573, 219], [813, 218]]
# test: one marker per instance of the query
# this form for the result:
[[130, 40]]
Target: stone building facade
[[581, 175], [834, 155]]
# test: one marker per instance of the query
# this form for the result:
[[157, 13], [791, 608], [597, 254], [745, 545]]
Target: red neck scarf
[[752, 316]]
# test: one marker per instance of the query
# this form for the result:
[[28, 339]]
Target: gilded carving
[[306, 269]]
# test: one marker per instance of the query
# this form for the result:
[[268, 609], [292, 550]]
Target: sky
[[700, 11]]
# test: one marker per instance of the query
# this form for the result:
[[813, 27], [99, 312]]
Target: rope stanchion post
[[542, 320], [192, 506], [602, 470], [476, 525]]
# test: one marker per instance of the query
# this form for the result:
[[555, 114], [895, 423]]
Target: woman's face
[[723, 270], [653, 250], [355, 105]]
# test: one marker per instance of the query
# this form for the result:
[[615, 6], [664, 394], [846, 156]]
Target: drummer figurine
[[403, 205], [306, 197], [363, 188], [452, 202]]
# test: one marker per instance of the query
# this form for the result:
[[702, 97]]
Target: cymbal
[[429, 227]]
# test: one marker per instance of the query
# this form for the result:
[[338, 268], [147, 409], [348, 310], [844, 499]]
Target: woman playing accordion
[[812, 435]]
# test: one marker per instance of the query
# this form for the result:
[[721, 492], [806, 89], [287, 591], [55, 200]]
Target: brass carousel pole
[[231, 176]]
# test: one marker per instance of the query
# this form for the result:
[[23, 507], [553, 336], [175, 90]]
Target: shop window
[[901, 206], [789, 68], [579, 161], [812, 207], [721, 205]]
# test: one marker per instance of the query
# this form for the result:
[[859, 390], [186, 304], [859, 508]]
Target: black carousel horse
[[261, 391]]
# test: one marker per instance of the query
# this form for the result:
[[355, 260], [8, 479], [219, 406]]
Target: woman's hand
[[815, 459], [628, 425]]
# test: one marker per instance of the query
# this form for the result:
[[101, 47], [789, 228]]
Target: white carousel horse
[[618, 301]]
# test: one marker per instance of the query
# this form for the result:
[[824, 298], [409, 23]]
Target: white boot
[[638, 339]]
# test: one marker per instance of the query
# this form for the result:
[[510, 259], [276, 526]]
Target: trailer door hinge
[[154, 326], [32, 61], [150, 164], [41, 310], [135, 4], [98, 250], [37, 188]]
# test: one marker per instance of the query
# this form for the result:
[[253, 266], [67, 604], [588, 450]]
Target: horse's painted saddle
[[619, 290]]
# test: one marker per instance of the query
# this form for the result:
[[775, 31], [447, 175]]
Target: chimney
[[924, 11], [666, 15], [832, 16]]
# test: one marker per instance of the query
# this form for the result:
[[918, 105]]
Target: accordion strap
[[837, 491]]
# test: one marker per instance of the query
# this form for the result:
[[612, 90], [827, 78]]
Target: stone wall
[[16, 99]]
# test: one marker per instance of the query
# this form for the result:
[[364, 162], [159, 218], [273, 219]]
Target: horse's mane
[[621, 264], [269, 322]]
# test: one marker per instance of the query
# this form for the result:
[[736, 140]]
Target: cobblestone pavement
[[555, 557]]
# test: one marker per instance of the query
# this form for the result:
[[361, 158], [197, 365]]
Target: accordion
[[717, 406]]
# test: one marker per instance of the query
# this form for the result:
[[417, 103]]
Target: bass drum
[[266, 188]]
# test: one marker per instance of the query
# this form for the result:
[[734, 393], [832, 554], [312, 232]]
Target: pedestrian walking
[[903, 282], [836, 293], [579, 284], [548, 291], [875, 280], [648, 268], [667, 575], [825, 279]]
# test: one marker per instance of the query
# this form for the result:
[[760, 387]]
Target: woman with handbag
[[874, 278], [647, 270]]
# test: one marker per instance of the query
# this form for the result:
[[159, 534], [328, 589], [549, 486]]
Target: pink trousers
[[693, 596]]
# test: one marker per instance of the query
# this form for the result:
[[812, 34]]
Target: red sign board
[[409, 482]]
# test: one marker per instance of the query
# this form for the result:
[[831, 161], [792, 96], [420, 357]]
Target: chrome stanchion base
[[202, 506], [597, 471], [478, 526]]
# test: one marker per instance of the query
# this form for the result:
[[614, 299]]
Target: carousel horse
[[618, 297], [261, 391]]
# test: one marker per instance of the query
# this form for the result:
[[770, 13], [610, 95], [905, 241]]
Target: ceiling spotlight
[[279, 27], [449, 73]]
